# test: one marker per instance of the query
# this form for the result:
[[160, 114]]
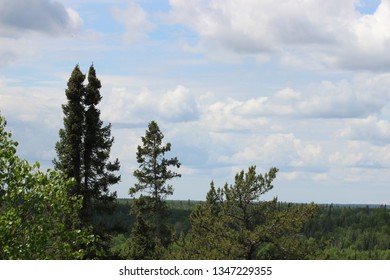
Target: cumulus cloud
[[37, 104], [179, 105], [334, 32], [135, 21], [339, 100], [309, 133], [255, 26], [361, 156], [370, 40], [369, 129], [50, 17], [321, 100], [284, 150], [123, 106], [222, 116]]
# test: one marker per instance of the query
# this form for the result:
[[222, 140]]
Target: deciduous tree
[[38, 218]]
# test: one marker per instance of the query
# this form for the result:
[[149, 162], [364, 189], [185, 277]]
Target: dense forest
[[70, 213], [337, 232]]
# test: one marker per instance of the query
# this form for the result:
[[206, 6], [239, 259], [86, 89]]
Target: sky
[[301, 85]]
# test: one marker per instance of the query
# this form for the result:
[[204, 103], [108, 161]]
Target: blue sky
[[300, 85]]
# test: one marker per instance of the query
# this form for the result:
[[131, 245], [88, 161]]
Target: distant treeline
[[341, 231], [352, 232]]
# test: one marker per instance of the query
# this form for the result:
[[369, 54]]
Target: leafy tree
[[38, 219], [235, 224], [84, 147], [150, 208]]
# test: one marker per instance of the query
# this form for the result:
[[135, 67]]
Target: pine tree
[[235, 224], [84, 147], [153, 173]]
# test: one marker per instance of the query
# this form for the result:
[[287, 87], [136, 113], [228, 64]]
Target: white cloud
[[126, 107], [37, 104], [339, 100], [360, 156], [282, 150], [271, 150], [75, 21], [291, 176], [123, 106], [135, 21], [334, 32], [320, 100], [370, 41], [229, 115], [287, 94], [179, 105], [370, 129]]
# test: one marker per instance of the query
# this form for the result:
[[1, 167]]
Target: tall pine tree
[[84, 147], [150, 208]]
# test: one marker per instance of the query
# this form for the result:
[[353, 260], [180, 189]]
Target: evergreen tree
[[70, 147], [98, 172], [235, 224], [84, 147], [153, 173], [143, 244]]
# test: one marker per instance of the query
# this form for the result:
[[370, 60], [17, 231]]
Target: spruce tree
[[98, 173], [83, 150], [150, 208], [70, 147]]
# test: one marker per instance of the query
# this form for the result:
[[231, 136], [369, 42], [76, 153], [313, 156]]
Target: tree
[[38, 219], [98, 170], [235, 224], [150, 208], [84, 147], [70, 147]]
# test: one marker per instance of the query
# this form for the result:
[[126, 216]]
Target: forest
[[69, 212], [337, 232]]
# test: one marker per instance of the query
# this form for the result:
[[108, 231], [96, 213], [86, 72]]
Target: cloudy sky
[[302, 85]]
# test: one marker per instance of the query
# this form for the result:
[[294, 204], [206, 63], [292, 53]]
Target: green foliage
[[150, 232], [153, 172], [118, 246], [235, 224], [84, 147], [336, 232], [69, 148], [352, 232], [38, 220]]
